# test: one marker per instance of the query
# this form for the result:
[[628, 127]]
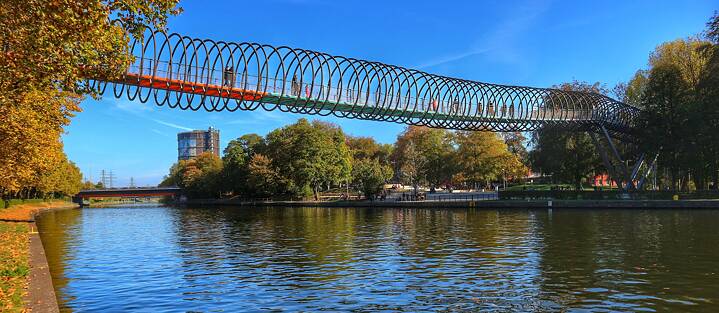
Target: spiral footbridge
[[202, 74]]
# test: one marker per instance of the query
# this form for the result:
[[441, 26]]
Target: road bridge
[[126, 193]]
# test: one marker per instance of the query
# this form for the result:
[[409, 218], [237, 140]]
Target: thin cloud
[[132, 106], [501, 41], [260, 116], [163, 134], [180, 127], [451, 58]]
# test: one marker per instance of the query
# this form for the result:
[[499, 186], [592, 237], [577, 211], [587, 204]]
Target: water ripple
[[359, 260]]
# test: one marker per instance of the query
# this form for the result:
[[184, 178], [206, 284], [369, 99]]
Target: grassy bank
[[26, 212], [14, 267], [15, 253]]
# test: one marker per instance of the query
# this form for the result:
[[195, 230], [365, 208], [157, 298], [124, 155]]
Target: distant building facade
[[193, 143]]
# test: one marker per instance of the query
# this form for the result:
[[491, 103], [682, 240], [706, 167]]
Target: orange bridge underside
[[191, 87]]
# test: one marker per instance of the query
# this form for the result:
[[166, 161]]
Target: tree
[[569, 156], [712, 31], [88, 185], [483, 157], [47, 49], [411, 164], [30, 139], [515, 145], [632, 92], [263, 179], [424, 155], [685, 55], [236, 159], [199, 177], [708, 105], [309, 155], [370, 175], [679, 118], [371, 164], [64, 179], [367, 148], [338, 160], [662, 122]]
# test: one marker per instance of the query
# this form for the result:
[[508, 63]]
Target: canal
[[154, 258]]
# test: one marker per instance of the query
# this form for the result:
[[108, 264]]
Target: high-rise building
[[193, 143]]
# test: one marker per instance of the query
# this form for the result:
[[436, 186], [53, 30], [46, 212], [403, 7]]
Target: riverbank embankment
[[25, 280], [483, 204], [27, 212]]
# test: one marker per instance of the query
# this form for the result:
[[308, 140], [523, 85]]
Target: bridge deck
[[202, 74], [331, 102]]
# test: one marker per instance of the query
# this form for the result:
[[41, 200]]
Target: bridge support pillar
[[625, 177]]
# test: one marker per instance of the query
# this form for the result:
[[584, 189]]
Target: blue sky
[[534, 43]]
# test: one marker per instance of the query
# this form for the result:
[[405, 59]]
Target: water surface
[[165, 259]]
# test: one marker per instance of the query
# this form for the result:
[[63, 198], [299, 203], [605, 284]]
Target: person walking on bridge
[[295, 86], [227, 77]]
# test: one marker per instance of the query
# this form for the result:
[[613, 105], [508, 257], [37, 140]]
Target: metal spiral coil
[[202, 74]]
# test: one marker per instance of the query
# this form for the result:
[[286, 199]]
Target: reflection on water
[[312, 259]]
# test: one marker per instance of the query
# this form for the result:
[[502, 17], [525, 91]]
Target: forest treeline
[[679, 96], [302, 159]]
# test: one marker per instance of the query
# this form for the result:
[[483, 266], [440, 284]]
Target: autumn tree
[[632, 92], [199, 177], [263, 180], [48, 49], [685, 54], [483, 157], [423, 155], [678, 121], [88, 185], [677, 67], [515, 142], [63, 179], [368, 148]]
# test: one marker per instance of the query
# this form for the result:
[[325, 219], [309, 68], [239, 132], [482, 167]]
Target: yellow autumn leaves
[[47, 50]]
